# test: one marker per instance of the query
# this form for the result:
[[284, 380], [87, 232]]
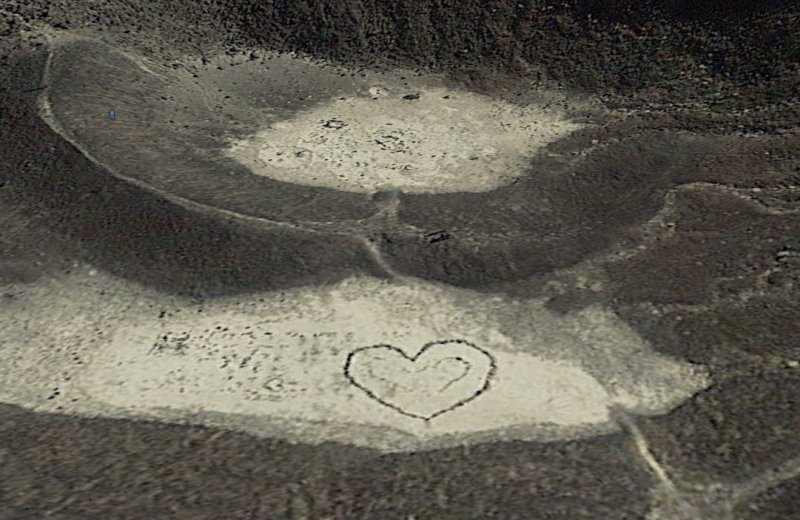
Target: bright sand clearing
[[334, 363], [441, 141]]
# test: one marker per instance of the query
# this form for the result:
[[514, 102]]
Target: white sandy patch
[[443, 141], [333, 363]]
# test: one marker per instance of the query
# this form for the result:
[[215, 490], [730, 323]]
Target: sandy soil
[[440, 140], [311, 364]]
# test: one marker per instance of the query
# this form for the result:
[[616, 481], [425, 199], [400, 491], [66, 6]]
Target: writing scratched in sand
[[252, 362], [270, 365]]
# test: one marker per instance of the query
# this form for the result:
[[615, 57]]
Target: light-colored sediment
[[275, 364], [443, 141]]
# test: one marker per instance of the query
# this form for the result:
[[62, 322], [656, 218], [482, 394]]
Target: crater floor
[[429, 141]]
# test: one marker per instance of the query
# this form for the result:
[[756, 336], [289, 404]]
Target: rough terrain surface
[[675, 210]]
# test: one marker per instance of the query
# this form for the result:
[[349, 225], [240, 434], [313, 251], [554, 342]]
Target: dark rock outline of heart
[[370, 393]]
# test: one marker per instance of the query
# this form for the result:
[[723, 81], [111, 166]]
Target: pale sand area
[[444, 140], [298, 365]]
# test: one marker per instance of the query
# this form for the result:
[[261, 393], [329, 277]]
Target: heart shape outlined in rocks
[[442, 376]]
